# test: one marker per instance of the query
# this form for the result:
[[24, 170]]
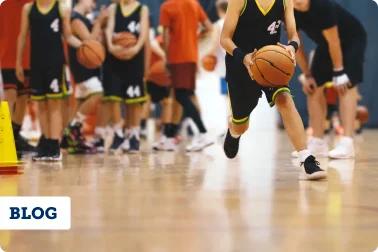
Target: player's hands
[[291, 50], [340, 81], [248, 62], [308, 84], [20, 73], [128, 53], [116, 50]]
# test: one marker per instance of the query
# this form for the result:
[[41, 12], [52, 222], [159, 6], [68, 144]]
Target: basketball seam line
[[257, 53], [93, 51], [273, 66], [262, 74]]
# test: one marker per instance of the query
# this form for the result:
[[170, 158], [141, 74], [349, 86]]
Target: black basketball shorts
[[245, 93], [48, 82], [11, 82]]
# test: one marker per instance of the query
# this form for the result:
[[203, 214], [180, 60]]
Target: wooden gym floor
[[160, 202]]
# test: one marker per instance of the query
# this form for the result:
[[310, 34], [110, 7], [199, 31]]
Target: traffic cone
[[8, 154]]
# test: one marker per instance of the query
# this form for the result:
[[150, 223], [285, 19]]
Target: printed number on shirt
[[54, 86], [273, 28], [55, 25], [134, 27], [133, 91]]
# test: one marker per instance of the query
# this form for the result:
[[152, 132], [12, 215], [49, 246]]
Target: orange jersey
[[182, 18], [10, 19]]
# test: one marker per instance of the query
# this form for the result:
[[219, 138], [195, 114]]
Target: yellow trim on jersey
[[328, 84], [244, 7], [112, 98], [45, 12], [284, 4], [38, 97], [136, 100], [277, 92], [129, 13], [264, 12]]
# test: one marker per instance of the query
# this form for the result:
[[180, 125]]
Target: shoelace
[[312, 160]]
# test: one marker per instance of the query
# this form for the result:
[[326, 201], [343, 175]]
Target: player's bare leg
[[348, 106], [55, 127], [296, 132], [135, 112]]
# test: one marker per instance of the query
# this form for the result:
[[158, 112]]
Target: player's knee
[[283, 101]]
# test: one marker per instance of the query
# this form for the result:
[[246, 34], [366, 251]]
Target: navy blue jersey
[[46, 36], [257, 28], [324, 14], [79, 72]]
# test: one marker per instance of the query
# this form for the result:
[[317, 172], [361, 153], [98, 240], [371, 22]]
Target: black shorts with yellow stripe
[[245, 93], [48, 82], [123, 86]]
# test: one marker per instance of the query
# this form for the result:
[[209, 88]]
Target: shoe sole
[[201, 149], [341, 157], [314, 176]]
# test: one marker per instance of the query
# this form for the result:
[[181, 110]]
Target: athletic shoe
[[99, 145], [316, 146], [64, 143], [165, 144], [126, 145], [116, 144], [143, 133], [23, 146], [134, 145], [343, 149], [199, 143], [311, 170], [56, 157], [42, 150], [231, 145]]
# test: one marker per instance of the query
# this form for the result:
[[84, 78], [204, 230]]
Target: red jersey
[[10, 19]]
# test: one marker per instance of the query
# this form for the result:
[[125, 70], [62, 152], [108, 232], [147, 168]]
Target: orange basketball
[[362, 114], [158, 74], [125, 39], [272, 66], [209, 62], [91, 54]]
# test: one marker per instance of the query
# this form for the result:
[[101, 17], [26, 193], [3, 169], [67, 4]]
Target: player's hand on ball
[[248, 62], [116, 50], [340, 81], [20, 73], [291, 50], [129, 53]]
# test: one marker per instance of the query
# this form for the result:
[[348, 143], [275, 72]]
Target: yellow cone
[[8, 155]]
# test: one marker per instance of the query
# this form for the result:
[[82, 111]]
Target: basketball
[[158, 74], [272, 66], [209, 62], [362, 114], [125, 39], [91, 54]]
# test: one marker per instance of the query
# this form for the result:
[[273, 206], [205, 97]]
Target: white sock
[[127, 132], [79, 118], [317, 140], [346, 140], [100, 132], [135, 132], [304, 154]]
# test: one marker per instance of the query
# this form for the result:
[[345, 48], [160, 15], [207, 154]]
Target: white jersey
[[220, 53]]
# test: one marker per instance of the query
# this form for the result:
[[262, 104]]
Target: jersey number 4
[[134, 27], [273, 28], [55, 25]]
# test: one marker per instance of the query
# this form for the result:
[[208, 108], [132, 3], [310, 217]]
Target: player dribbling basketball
[[250, 25]]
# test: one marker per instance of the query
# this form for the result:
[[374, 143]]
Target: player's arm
[[231, 19], [147, 57], [109, 31], [340, 78], [291, 28], [214, 42], [67, 32], [144, 30], [309, 83], [99, 24], [24, 29], [155, 48]]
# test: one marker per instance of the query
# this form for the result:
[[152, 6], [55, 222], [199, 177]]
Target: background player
[[180, 20], [16, 92], [128, 64], [262, 20], [341, 43], [47, 21], [88, 85]]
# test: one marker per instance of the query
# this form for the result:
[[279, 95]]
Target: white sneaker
[[344, 149], [165, 144], [125, 147], [199, 143], [317, 146]]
